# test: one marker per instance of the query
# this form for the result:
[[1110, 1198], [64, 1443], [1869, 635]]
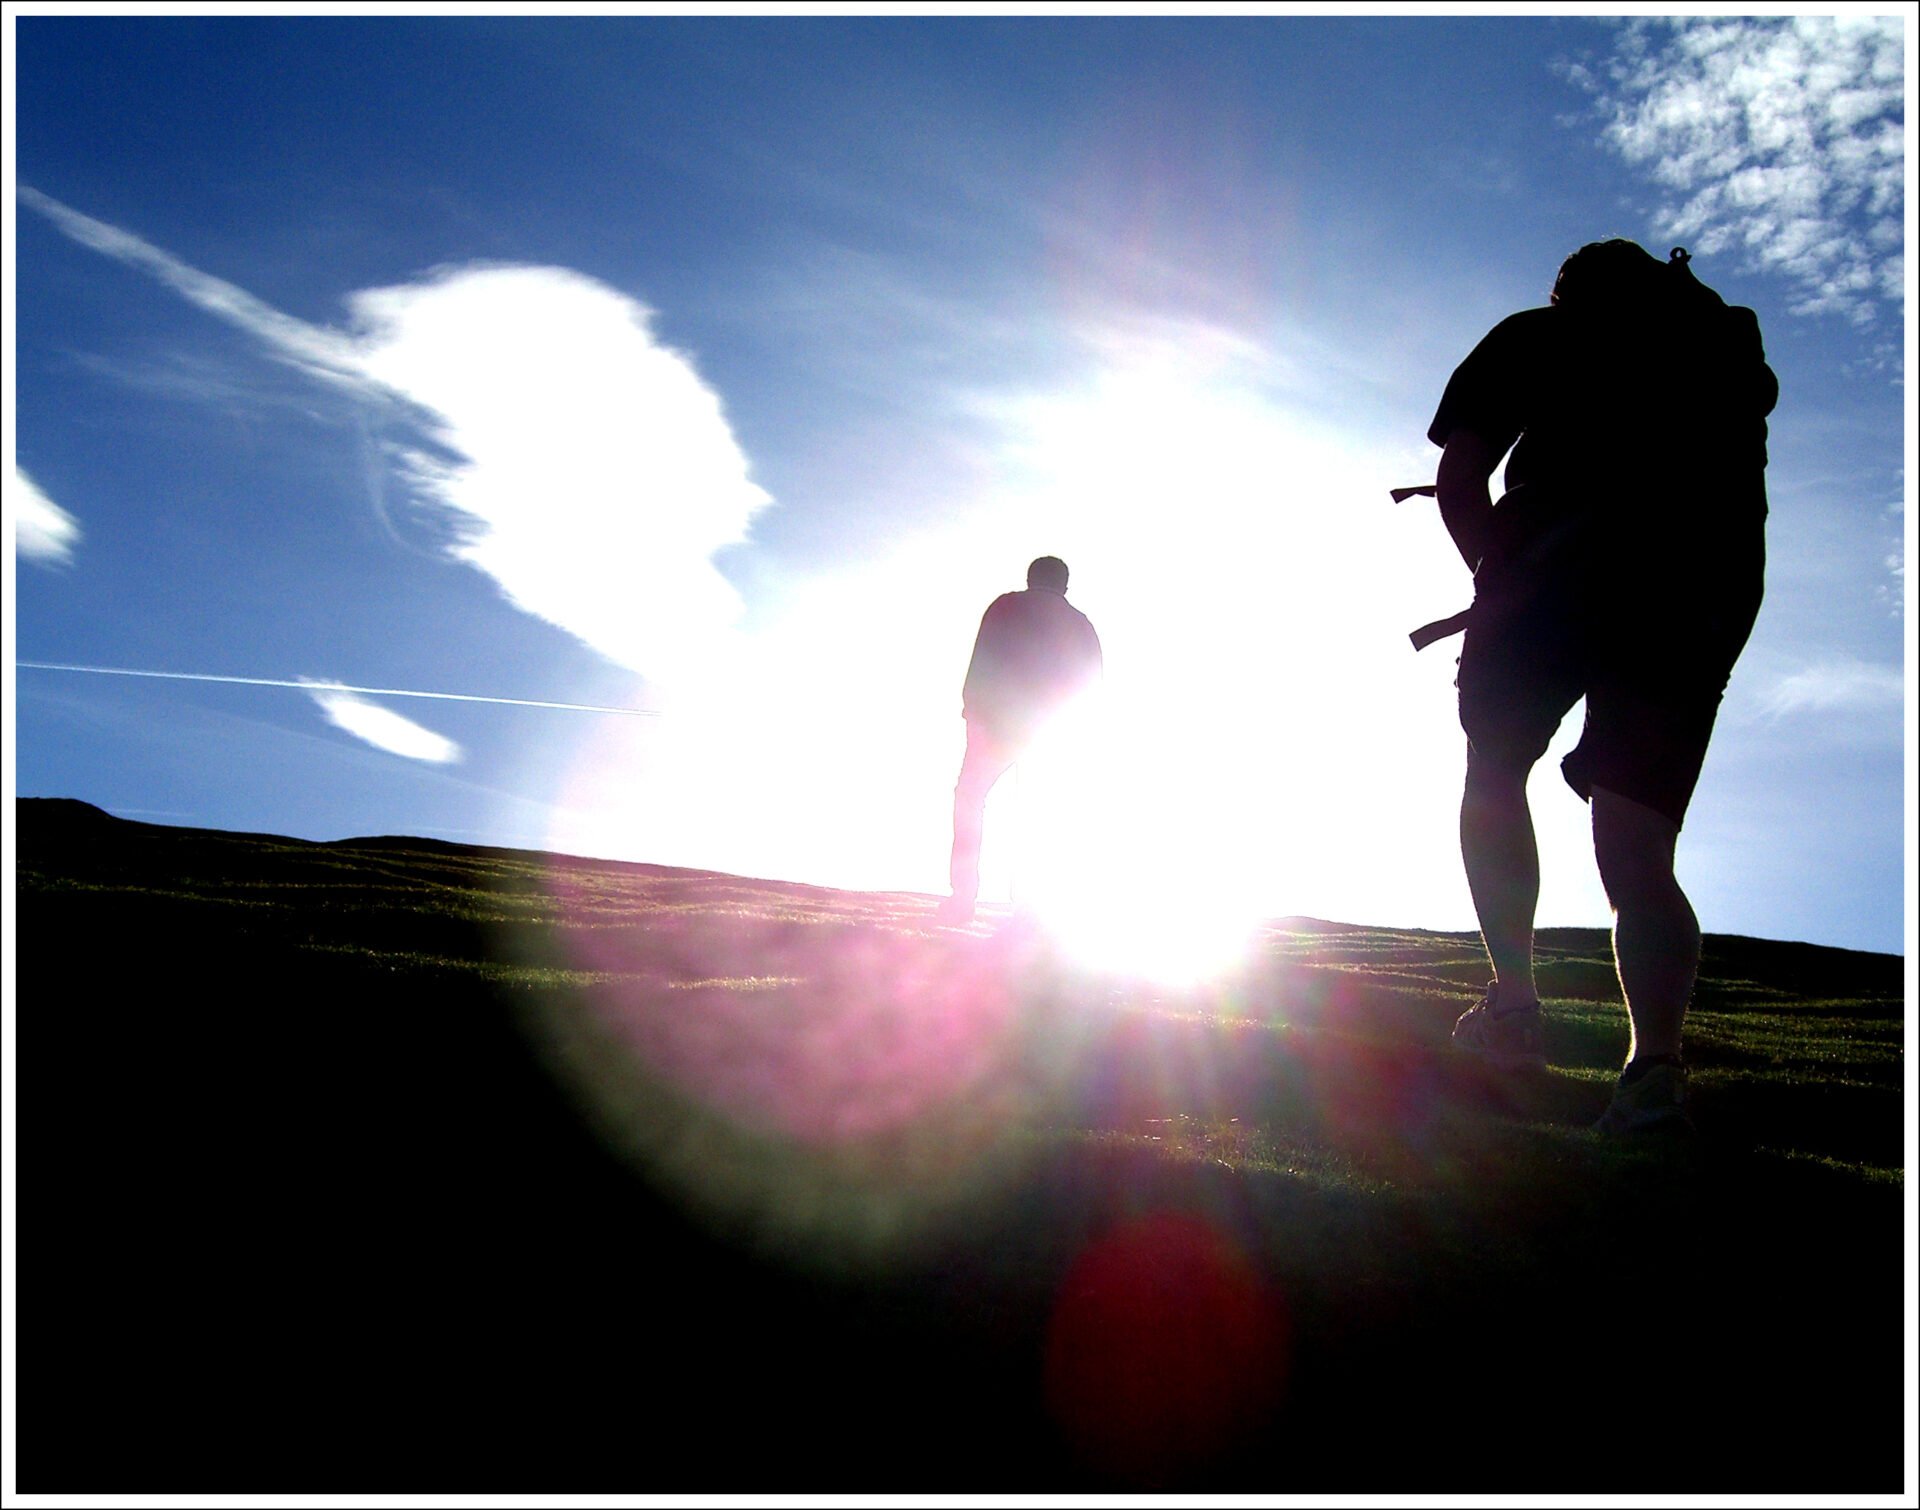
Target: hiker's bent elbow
[[1468, 460], [1461, 489]]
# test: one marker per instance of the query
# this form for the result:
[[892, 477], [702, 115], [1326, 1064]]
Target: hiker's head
[[1612, 274], [1048, 574]]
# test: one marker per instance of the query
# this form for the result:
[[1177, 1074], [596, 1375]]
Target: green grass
[[809, 1158]]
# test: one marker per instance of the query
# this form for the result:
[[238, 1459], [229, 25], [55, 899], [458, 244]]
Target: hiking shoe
[[1654, 1103], [1510, 1039]]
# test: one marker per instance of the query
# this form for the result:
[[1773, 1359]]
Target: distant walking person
[[1624, 563], [1034, 651]]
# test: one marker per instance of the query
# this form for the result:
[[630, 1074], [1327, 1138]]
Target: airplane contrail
[[318, 686]]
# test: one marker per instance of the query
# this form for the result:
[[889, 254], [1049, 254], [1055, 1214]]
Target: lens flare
[[1166, 1349], [801, 1068]]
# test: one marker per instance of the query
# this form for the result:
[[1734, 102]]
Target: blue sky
[[725, 368]]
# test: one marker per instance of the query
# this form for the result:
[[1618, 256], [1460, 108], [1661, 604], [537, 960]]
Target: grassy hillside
[[398, 1166]]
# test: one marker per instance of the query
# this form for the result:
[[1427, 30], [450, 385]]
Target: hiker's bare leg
[[1503, 871], [1656, 937]]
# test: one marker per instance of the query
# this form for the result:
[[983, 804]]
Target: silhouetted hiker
[[1033, 652], [1623, 564]]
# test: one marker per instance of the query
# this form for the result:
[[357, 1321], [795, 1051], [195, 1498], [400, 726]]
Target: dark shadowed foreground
[[398, 1166]]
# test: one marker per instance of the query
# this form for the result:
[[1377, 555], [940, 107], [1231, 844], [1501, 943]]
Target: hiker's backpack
[[1721, 395]]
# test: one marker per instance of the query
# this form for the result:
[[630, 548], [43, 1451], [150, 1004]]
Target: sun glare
[[1168, 935], [1144, 822], [1263, 741], [1128, 858]]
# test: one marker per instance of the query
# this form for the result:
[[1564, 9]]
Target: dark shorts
[[1651, 658]]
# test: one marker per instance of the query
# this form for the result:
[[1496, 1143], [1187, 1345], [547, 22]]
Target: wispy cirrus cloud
[[583, 465], [43, 532], [1839, 685], [321, 352], [382, 727], [1779, 137]]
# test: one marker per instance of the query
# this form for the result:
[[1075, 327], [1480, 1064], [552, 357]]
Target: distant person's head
[[1048, 574], [1614, 274]]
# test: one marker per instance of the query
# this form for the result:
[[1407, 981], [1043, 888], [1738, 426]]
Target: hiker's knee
[[1633, 846], [1496, 775]]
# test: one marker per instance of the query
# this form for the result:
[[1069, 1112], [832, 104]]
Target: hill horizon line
[[78, 811]]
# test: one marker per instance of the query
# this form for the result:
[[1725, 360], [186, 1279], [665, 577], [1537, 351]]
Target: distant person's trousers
[[988, 758]]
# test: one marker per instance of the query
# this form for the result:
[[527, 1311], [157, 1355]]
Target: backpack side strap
[[1441, 629]]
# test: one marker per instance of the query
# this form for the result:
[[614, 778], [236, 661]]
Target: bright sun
[[1127, 853]]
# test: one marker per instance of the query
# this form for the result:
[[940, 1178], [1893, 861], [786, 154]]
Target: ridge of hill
[[421, 1167]]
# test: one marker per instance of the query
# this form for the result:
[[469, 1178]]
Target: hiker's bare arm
[[1466, 505]]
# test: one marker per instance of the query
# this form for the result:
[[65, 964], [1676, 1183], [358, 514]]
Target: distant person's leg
[[986, 761]]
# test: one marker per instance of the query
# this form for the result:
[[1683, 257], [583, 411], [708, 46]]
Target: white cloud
[[1840, 685], [381, 727], [1779, 137], [584, 466], [42, 530], [596, 473]]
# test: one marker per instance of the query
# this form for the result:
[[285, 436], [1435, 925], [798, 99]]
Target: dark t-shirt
[[1033, 651], [1654, 417]]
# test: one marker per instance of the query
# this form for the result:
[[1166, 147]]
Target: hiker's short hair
[[1604, 273], [1048, 573]]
